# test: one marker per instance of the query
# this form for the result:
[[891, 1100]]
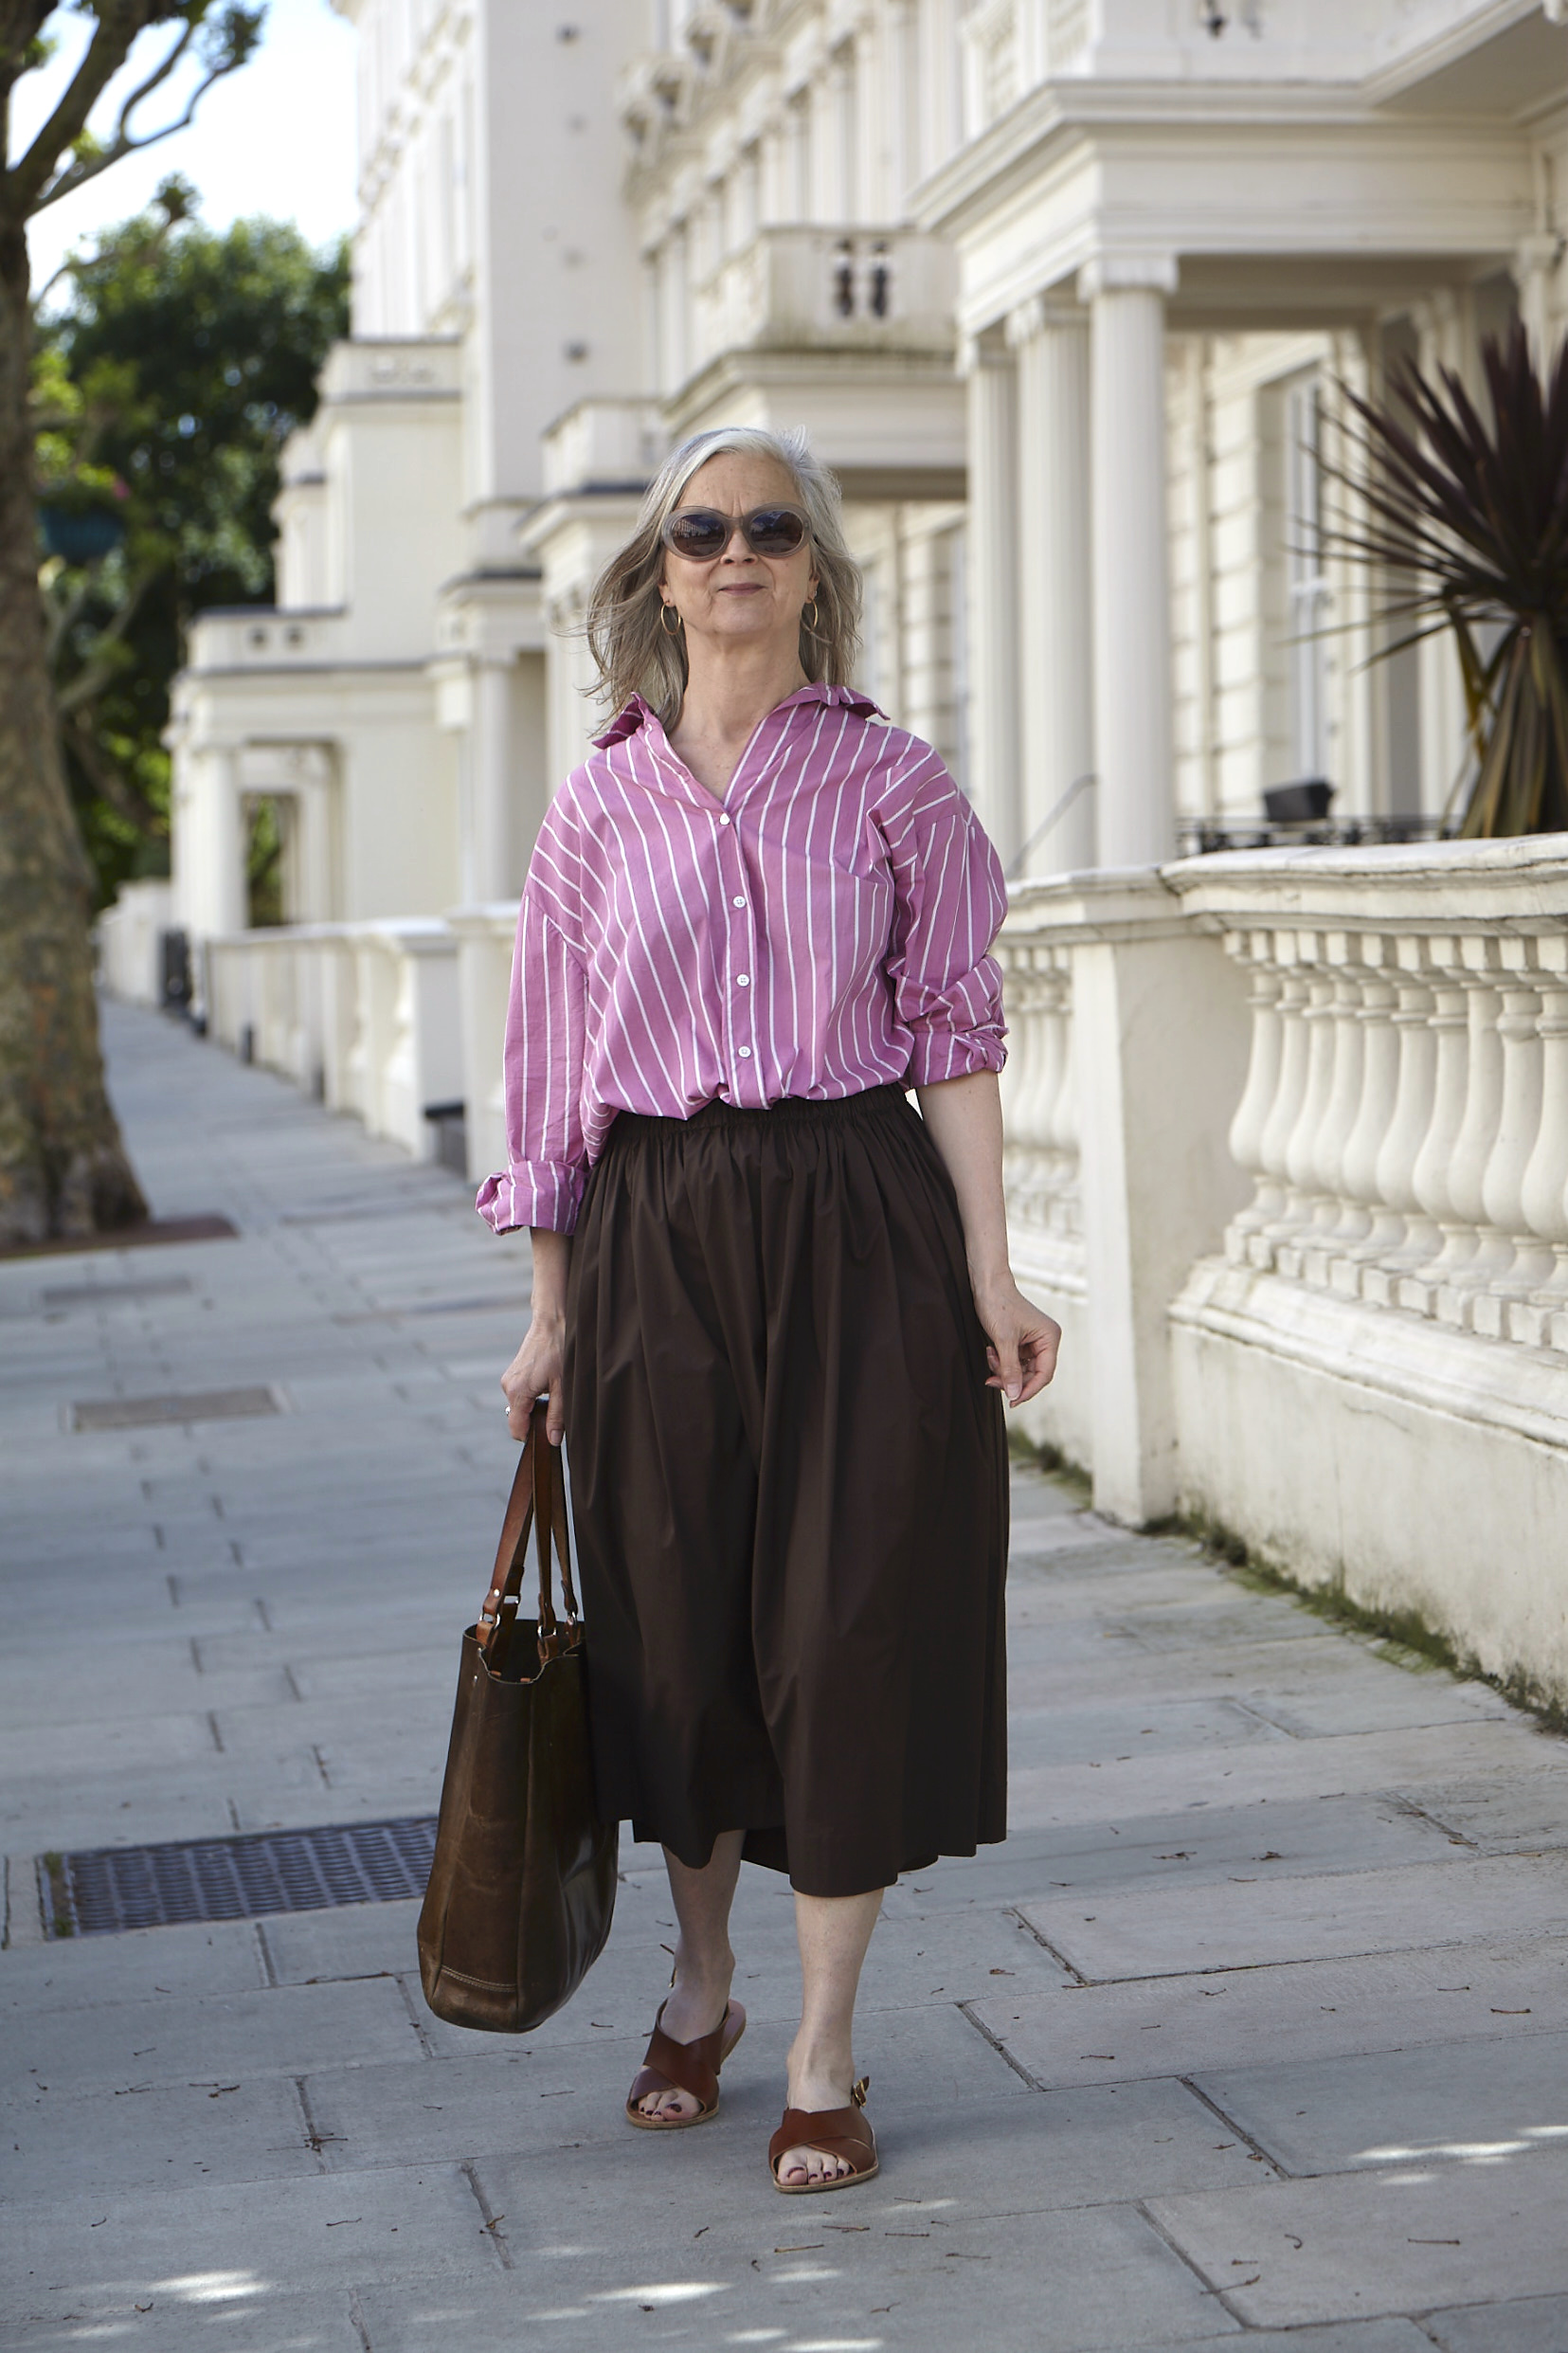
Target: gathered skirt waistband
[[831, 1111]]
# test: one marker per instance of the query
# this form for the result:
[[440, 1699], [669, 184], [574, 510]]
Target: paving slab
[[1102, 1664], [196, 1959], [1254, 1919], [168, 1680], [1062, 1733], [42, 1751], [1111, 1789], [1354, 2244], [1502, 1817], [913, 2273], [195, 2313], [1379, 2335], [1424, 1695], [1533, 2324], [1190, 1849], [255, 2235], [284, 2030], [1296, 2010], [166, 2137], [1493, 2101]]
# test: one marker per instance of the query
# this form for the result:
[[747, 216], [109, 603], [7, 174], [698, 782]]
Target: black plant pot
[[80, 534], [1306, 803]]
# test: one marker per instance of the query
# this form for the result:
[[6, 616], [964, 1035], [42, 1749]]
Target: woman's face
[[740, 595]]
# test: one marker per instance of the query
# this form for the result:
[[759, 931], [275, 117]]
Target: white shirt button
[[737, 901], [742, 980], [724, 820], [745, 1054]]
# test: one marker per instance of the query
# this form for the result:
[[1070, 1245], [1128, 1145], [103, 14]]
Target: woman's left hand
[[1024, 1341]]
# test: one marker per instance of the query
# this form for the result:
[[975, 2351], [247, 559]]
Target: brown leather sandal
[[688, 2067], [840, 2133]]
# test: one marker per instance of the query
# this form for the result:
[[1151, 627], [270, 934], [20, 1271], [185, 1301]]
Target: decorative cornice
[[1058, 115]]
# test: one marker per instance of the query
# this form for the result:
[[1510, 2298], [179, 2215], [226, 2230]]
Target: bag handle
[[538, 1500]]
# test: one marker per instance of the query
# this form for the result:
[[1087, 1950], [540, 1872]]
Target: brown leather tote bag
[[522, 1888]]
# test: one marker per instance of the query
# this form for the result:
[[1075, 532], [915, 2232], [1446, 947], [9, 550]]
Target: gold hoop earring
[[664, 612], [810, 627]]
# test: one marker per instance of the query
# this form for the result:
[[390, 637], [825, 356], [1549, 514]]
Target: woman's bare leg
[[833, 1932], [704, 1963]]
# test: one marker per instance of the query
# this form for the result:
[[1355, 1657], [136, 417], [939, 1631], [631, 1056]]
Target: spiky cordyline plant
[[1474, 518]]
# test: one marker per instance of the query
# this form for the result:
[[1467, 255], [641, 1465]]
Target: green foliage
[[177, 363], [264, 863], [1471, 516]]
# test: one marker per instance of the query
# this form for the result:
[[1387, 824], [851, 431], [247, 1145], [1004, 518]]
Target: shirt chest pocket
[[845, 911]]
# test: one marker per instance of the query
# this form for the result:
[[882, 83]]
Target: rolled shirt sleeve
[[951, 897], [547, 1159]]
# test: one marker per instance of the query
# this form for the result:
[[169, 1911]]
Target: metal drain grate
[[109, 1888], [146, 1413]]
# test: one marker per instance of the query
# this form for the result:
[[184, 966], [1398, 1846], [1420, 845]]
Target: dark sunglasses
[[702, 533]]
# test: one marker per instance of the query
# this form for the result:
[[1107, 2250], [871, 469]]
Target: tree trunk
[[63, 1168]]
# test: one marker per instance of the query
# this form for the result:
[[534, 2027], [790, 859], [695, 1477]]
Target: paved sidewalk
[[1301, 2066]]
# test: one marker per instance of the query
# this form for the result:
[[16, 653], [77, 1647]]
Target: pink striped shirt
[[822, 930]]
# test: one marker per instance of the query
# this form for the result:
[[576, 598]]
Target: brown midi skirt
[[789, 1486]]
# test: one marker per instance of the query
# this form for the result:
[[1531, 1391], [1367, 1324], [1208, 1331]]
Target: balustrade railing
[[1040, 1157], [363, 1016], [1405, 1117], [828, 288]]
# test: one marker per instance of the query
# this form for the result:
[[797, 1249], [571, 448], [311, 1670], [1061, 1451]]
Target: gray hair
[[633, 650]]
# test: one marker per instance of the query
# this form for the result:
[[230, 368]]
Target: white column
[[1056, 638], [674, 336], [1131, 593], [776, 158], [491, 758], [941, 83], [317, 845], [902, 103], [1441, 324], [992, 564], [228, 898], [833, 140]]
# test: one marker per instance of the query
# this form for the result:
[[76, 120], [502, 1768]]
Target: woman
[[765, 1293]]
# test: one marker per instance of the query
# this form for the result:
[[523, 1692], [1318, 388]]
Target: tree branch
[[62, 617], [107, 782], [99, 670], [106, 53], [82, 170], [37, 181], [160, 73]]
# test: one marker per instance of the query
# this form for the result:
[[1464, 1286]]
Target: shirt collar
[[636, 715]]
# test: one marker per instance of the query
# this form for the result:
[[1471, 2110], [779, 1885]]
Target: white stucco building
[[1064, 289], [1068, 292]]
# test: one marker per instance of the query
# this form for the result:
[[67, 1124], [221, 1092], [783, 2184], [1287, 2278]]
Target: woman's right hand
[[535, 1369]]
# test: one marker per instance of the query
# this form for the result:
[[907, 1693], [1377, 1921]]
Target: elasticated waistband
[[796, 1110]]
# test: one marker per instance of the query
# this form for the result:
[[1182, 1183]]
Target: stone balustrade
[[1344, 1335], [829, 288], [234, 638], [129, 941], [1405, 1121], [364, 1016], [1041, 1161]]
